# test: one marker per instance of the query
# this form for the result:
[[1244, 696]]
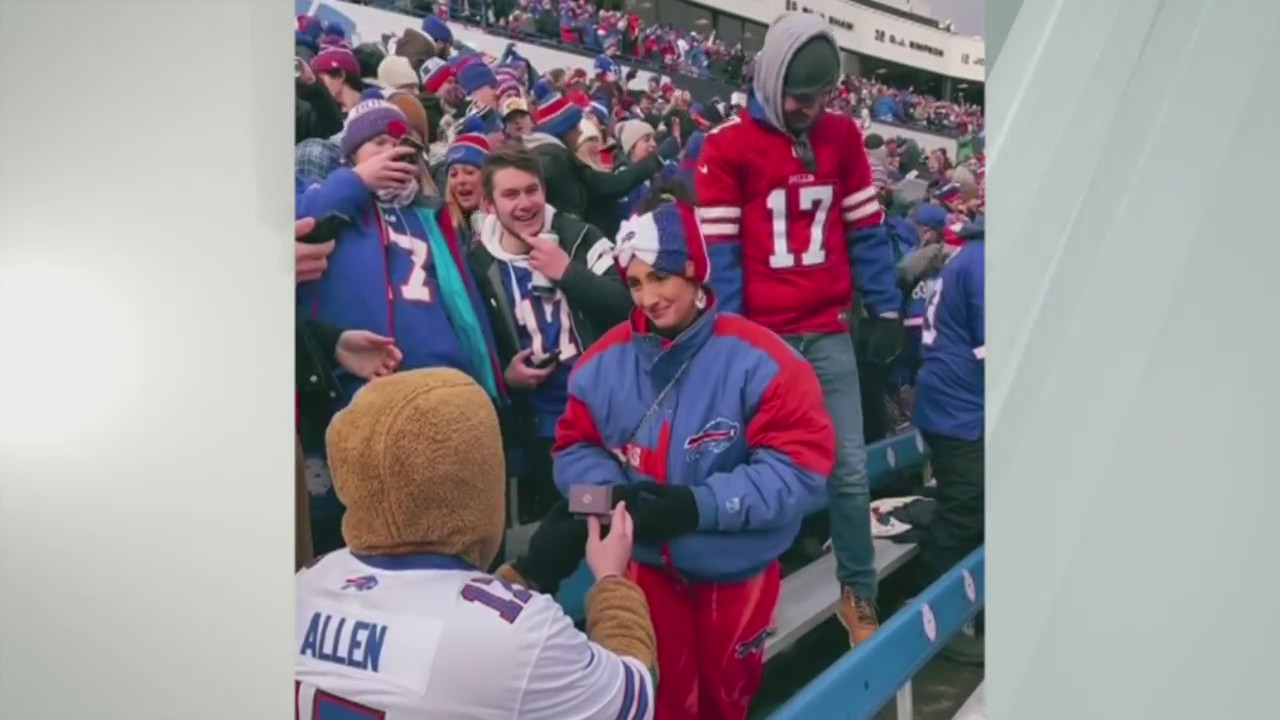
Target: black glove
[[881, 340], [555, 550], [669, 148], [631, 494], [660, 512]]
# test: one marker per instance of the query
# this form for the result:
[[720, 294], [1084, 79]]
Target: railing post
[[906, 711], [862, 683]]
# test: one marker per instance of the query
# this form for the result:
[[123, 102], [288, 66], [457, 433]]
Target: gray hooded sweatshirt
[[781, 42]]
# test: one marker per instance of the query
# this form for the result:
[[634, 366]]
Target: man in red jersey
[[792, 221]]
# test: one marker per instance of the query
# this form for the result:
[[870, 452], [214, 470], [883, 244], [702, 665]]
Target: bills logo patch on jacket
[[714, 437]]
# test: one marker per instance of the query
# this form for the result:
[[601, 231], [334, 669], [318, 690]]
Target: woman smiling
[[713, 430], [462, 161]]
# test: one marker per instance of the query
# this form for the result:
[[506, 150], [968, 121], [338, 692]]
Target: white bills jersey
[[426, 637]]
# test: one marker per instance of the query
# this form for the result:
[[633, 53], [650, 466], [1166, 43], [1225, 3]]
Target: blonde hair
[[457, 215], [591, 156], [582, 148], [428, 183]]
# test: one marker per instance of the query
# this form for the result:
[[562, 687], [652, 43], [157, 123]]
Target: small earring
[[700, 300]]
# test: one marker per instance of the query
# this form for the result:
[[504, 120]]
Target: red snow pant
[[710, 641]]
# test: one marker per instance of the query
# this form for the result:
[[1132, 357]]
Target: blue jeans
[[849, 498]]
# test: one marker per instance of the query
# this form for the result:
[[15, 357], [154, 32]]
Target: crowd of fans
[[871, 100], [538, 233], [698, 52], [624, 36], [664, 48]]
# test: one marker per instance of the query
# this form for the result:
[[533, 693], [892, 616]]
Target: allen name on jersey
[[405, 624], [329, 638]]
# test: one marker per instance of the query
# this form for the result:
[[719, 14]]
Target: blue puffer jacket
[[743, 425]]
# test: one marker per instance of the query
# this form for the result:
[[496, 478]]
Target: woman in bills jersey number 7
[[396, 270]]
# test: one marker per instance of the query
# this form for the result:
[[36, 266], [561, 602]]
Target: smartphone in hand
[[418, 157], [326, 229], [547, 361]]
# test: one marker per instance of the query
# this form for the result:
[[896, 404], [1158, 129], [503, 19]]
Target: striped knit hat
[[435, 73], [369, 119], [556, 116], [467, 149], [508, 89], [600, 112], [668, 239], [509, 74], [949, 192]]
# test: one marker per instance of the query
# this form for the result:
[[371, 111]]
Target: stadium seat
[[810, 595], [859, 684], [904, 451]]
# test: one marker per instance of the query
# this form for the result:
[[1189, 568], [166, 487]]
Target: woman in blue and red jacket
[[714, 432]]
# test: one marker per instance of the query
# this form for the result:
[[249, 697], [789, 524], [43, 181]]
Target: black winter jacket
[[597, 302], [576, 189]]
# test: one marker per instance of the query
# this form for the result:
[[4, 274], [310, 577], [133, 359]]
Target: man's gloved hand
[[881, 339], [660, 512], [555, 550], [669, 148]]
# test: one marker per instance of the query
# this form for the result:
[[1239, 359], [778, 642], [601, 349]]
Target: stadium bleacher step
[[810, 595]]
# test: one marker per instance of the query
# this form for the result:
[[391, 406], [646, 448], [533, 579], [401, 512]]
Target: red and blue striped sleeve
[[719, 214], [579, 455], [791, 441]]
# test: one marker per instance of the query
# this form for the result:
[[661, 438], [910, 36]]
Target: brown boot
[[858, 617]]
